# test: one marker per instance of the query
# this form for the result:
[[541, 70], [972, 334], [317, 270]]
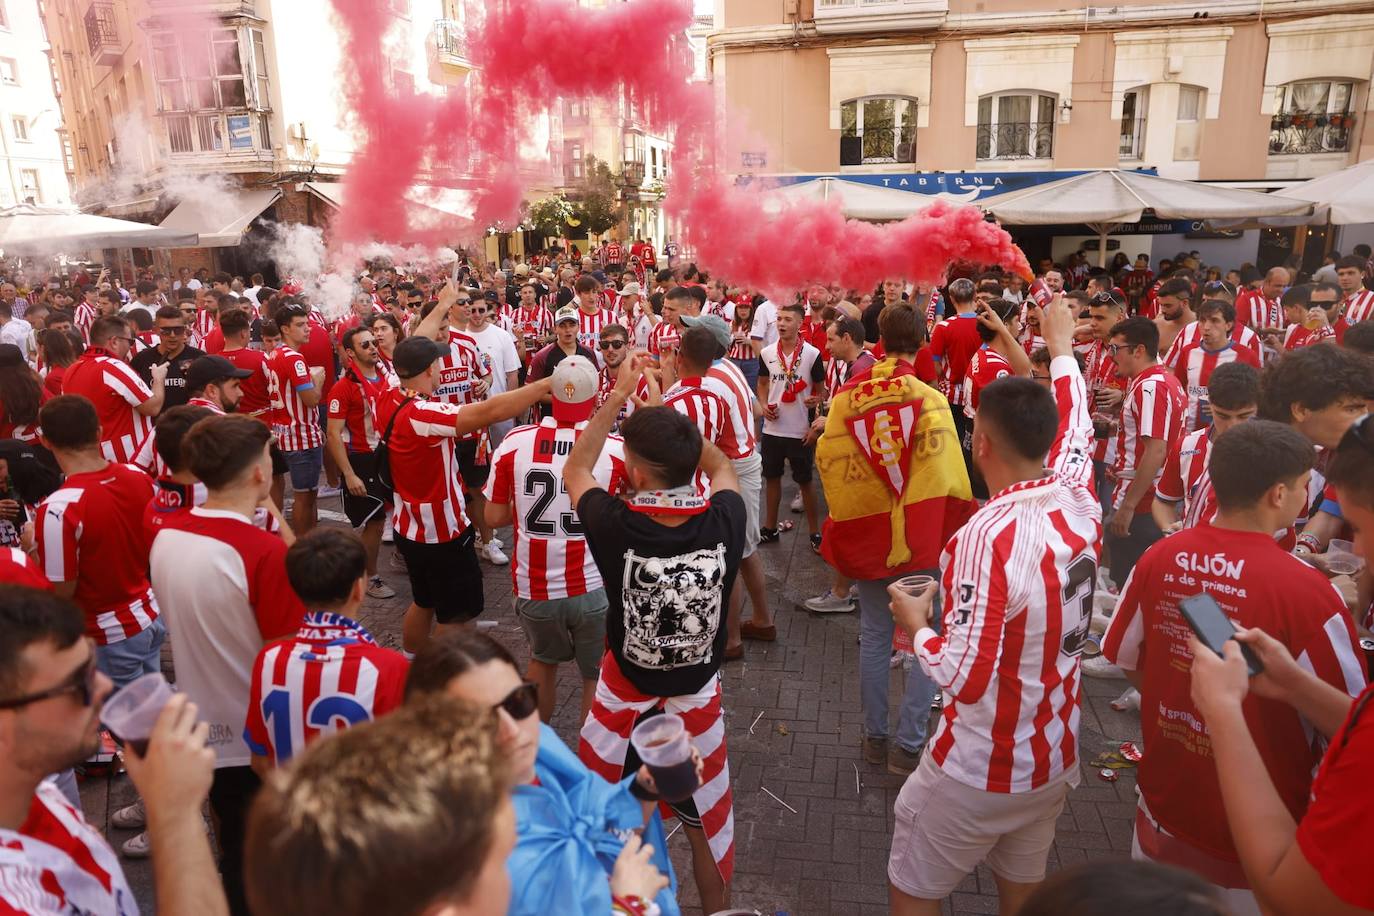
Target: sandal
[[768, 535], [785, 525], [815, 543]]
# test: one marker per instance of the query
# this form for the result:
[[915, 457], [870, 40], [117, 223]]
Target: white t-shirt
[[499, 355], [19, 332], [765, 323], [792, 421], [192, 283]]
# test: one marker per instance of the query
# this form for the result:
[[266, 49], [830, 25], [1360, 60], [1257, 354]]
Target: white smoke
[[300, 255]]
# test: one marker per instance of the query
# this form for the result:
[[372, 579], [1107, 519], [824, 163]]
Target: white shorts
[[749, 472], [946, 828]]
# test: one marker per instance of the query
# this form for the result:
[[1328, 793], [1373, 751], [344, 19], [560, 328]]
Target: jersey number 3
[[544, 486], [1078, 589]]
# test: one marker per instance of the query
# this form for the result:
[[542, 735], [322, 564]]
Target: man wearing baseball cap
[[559, 597], [433, 532], [213, 382], [565, 344]]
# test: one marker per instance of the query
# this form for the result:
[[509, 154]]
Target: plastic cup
[[1341, 559], [664, 746], [902, 641], [132, 711]]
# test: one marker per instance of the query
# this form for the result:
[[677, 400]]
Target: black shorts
[[474, 475], [279, 465], [373, 506], [779, 449], [445, 578]]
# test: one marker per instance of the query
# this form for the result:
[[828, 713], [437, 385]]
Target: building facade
[[1244, 92], [31, 136]]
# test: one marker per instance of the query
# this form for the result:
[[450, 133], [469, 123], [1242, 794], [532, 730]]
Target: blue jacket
[[569, 829]]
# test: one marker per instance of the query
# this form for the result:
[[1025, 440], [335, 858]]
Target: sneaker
[[1099, 667], [796, 503], [768, 535], [828, 603], [497, 541], [137, 847], [130, 817], [377, 588], [815, 543], [328, 492], [875, 750], [388, 533], [492, 553], [902, 761]]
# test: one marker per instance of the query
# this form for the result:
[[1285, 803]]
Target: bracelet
[[641, 791], [1310, 541]]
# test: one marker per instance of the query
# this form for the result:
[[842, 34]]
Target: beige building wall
[[1203, 91]]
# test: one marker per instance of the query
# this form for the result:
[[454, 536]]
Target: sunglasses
[[521, 702], [463, 302], [81, 682], [365, 344], [612, 344], [127, 340], [188, 311], [1105, 299], [171, 332]]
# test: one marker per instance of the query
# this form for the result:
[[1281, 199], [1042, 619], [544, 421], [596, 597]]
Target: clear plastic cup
[[666, 749], [1341, 559], [132, 711], [902, 641]]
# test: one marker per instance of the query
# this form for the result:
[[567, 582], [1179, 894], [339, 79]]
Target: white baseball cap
[[574, 380]]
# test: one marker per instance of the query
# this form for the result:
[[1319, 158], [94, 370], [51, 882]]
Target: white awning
[[331, 192], [221, 219], [447, 201], [856, 199], [53, 229]]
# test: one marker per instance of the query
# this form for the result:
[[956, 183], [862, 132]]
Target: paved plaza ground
[[829, 856]]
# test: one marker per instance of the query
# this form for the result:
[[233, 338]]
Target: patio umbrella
[[27, 227], [857, 200], [1342, 198], [1107, 198]]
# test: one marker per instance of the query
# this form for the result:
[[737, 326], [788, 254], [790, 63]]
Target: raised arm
[[1071, 453], [577, 471]]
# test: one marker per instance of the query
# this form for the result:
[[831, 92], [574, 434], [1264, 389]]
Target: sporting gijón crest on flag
[[885, 434]]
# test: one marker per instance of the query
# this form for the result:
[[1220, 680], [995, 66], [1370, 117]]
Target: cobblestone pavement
[[830, 855]]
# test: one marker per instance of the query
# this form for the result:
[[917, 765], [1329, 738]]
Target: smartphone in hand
[[1213, 627]]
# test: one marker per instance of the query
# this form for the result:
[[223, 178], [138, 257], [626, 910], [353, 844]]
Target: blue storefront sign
[[240, 132]]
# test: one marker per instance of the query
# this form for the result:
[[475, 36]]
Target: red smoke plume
[[536, 51]]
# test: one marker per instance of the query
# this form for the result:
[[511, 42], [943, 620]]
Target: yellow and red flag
[[893, 474]]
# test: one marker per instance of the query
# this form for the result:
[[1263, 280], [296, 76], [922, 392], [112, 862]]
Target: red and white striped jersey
[[58, 863], [1192, 333], [1101, 373], [664, 338], [1017, 586], [1153, 409], [530, 324], [295, 424], [1359, 306], [1257, 584], [18, 568], [117, 392], [605, 384], [330, 676], [551, 559], [204, 324], [91, 531], [725, 379], [1255, 311], [709, 413], [1185, 467], [459, 373], [1296, 336], [589, 325], [83, 317], [1194, 370], [986, 367], [428, 503], [614, 254]]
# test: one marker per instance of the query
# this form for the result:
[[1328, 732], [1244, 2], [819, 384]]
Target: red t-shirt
[[1257, 584], [255, 398], [986, 367], [1334, 833], [213, 342], [953, 343], [354, 400], [18, 568]]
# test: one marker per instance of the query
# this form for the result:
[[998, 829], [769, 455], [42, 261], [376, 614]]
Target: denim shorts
[[305, 466], [130, 659]]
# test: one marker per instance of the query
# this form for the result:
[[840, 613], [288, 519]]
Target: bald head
[[1274, 282]]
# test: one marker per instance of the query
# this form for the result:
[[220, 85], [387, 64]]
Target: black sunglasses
[[463, 302], [171, 332], [81, 681], [1104, 299], [612, 344], [521, 702]]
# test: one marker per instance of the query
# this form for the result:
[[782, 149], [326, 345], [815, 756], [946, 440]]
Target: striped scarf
[[606, 739]]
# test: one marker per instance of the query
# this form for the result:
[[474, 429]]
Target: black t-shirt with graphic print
[[668, 588]]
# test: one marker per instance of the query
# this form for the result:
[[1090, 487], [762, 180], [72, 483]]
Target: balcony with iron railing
[[1299, 133], [102, 34], [632, 173], [451, 41], [218, 134], [1132, 145], [878, 146], [1016, 140]]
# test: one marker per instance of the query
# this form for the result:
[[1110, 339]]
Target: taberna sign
[[956, 187]]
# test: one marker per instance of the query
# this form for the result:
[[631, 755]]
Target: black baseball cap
[[207, 369], [414, 355]]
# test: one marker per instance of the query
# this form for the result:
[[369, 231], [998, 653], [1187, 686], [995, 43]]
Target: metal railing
[[451, 38], [216, 132], [877, 145], [1297, 134], [102, 32], [1132, 145], [1015, 140], [632, 171]]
